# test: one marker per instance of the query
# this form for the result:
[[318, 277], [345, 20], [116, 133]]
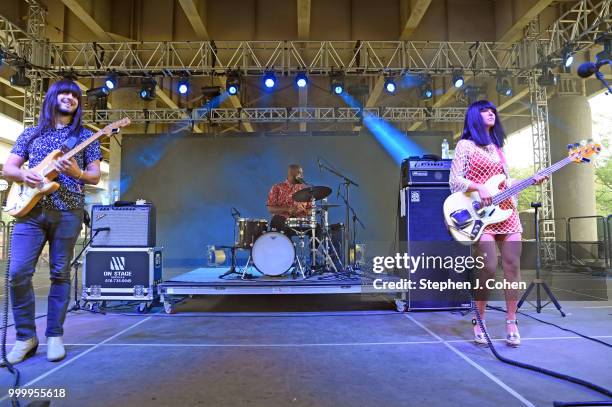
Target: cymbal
[[309, 193]]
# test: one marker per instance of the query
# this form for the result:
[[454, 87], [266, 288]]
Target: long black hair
[[49, 109], [474, 129]]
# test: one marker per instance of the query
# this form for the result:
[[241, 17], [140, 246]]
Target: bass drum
[[273, 254]]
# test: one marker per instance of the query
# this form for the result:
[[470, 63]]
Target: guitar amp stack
[[422, 231], [123, 262]]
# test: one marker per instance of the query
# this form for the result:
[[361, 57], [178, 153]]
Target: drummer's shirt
[[281, 194]]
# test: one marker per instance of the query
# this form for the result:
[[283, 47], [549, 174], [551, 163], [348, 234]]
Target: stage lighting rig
[[336, 83], [183, 86], [503, 85], [111, 81], [390, 85], [567, 54], [474, 93], [97, 98], [426, 89], [232, 83], [20, 78], [269, 79], [301, 79], [548, 78], [458, 80], [147, 89]]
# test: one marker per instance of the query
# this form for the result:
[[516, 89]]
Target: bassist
[[478, 157]]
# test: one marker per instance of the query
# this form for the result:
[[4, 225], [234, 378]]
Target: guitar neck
[[77, 149], [527, 182]]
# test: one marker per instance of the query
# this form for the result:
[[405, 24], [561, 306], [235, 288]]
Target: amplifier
[[129, 226], [121, 274], [423, 233], [419, 171]]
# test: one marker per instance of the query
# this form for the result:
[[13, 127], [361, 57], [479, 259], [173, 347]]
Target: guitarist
[[56, 219], [478, 157]]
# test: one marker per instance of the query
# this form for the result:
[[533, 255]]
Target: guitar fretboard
[[527, 182]]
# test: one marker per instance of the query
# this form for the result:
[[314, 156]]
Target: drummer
[[280, 201]]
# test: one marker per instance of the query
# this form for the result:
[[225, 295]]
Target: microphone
[[104, 229], [589, 68], [300, 180], [319, 164]]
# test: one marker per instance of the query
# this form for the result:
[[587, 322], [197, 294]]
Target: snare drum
[[249, 230], [301, 224], [273, 254]]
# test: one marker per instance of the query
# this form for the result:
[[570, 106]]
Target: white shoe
[[22, 350], [55, 349]]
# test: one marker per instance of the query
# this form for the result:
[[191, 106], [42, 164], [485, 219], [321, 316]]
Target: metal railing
[[590, 254]]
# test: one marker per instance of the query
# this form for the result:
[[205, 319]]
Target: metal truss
[[579, 26], [541, 155], [284, 57], [35, 50], [278, 115]]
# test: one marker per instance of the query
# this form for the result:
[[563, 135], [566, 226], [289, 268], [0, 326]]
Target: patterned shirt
[[70, 194], [281, 194]]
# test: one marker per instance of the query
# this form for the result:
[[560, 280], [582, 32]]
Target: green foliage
[[603, 183], [528, 195]]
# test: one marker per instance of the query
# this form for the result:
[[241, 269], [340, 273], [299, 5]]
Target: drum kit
[[309, 248]]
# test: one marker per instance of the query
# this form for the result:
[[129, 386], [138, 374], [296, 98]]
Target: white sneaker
[[55, 349], [22, 350]]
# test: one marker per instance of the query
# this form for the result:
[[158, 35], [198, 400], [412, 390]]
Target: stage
[[313, 350], [208, 281]]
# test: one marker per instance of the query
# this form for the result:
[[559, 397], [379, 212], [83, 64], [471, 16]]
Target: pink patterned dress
[[473, 163]]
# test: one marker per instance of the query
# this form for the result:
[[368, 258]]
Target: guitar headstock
[[115, 126], [583, 153]]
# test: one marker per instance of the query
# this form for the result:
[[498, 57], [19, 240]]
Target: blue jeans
[[31, 232]]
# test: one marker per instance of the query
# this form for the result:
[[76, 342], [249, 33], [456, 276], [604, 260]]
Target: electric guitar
[[22, 198], [466, 217]]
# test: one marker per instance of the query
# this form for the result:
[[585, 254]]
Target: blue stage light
[[232, 83], [111, 82], [390, 86], [458, 80], [183, 86], [147, 90], [301, 80], [337, 83], [269, 80], [569, 60]]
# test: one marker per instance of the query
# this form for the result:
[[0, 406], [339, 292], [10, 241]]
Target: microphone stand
[[355, 221], [75, 266], [347, 182]]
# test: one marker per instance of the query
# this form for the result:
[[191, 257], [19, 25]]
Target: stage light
[[183, 86], [98, 97], [568, 55], [111, 81], [301, 80], [1, 56], [458, 80], [425, 88], [503, 86], [232, 83], [147, 90], [337, 83], [269, 79], [548, 78], [20, 78], [390, 86]]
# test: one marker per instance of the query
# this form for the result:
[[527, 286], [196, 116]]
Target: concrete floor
[[313, 351]]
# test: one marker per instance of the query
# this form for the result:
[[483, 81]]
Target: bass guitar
[[466, 217]]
